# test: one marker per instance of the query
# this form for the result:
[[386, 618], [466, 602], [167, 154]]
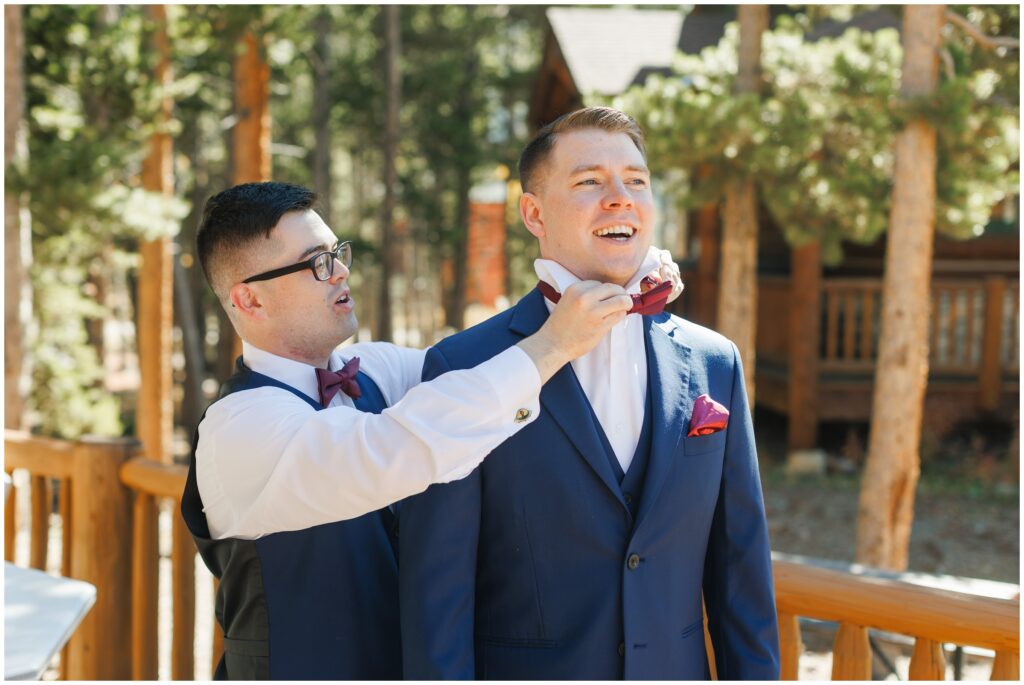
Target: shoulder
[[705, 344], [394, 369], [256, 409], [377, 358], [478, 343]]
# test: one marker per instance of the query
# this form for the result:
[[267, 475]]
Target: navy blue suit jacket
[[522, 569]]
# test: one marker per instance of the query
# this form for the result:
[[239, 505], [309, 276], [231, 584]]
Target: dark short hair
[[235, 218], [539, 149]]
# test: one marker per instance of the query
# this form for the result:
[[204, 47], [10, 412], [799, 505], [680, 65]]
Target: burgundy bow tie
[[330, 382], [651, 302]]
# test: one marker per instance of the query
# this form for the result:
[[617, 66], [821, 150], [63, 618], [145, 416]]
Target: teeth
[[625, 231]]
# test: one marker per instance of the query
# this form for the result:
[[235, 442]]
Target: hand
[[584, 315], [669, 271]]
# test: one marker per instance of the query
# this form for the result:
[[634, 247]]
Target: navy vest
[[632, 481], [313, 604]]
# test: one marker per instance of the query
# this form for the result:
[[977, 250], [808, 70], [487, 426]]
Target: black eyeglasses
[[321, 264]]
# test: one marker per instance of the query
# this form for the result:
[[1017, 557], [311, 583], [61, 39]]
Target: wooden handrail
[[896, 606], [42, 456], [154, 478]]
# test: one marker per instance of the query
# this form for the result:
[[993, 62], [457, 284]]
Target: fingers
[[593, 293], [669, 271]]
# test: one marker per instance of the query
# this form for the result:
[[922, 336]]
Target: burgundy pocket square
[[708, 417]]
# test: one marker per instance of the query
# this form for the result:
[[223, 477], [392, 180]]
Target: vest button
[[622, 649], [633, 561], [628, 498]]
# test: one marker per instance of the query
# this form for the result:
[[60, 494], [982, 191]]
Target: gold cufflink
[[522, 415]]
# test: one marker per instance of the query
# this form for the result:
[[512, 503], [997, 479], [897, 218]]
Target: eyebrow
[[597, 167], [310, 251]]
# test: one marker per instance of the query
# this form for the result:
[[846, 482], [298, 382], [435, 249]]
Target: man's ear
[[530, 211], [246, 301]]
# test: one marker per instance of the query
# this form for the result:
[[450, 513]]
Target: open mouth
[[619, 233], [344, 299]]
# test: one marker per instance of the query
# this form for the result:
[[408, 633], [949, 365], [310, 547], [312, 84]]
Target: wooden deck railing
[[931, 616], [973, 328], [96, 523], [108, 504], [152, 481], [106, 544]]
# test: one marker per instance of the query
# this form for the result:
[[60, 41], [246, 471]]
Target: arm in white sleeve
[[268, 462]]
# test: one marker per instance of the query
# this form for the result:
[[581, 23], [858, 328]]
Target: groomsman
[[294, 468], [582, 547]]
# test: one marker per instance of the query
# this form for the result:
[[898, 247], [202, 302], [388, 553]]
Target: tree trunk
[[155, 415], [17, 229], [893, 463], [194, 403], [456, 314], [322, 115], [389, 250], [190, 290], [251, 144], [463, 184], [737, 301], [250, 155]]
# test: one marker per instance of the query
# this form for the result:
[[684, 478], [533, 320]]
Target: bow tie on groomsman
[[330, 382]]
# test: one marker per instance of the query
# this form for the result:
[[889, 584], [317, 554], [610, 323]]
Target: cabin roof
[[605, 49]]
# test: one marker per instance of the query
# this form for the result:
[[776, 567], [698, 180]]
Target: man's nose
[[340, 272], [618, 195]]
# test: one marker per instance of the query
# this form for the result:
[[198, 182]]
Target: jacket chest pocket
[[702, 444]]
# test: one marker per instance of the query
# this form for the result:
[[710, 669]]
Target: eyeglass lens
[[324, 264]]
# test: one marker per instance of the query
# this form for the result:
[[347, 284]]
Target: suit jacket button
[[628, 498], [522, 415], [633, 561], [622, 649]]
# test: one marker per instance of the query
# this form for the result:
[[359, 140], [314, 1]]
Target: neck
[[318, 358], [587, 276]]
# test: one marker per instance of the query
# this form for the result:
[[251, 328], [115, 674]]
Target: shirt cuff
[[516, 382]]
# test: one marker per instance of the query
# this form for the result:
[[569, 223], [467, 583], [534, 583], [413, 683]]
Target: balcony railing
[[107, 510]]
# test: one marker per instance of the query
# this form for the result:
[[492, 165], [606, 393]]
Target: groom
[[582, 547]]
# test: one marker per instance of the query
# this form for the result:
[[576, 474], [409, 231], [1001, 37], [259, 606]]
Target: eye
[[640, 182], [587, 182]]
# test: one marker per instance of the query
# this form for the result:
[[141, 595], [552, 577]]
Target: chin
[[348, 328]]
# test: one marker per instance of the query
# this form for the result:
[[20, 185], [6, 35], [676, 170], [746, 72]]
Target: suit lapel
[[563, 398], [668, 378]]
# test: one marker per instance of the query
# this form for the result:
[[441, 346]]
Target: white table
[[40, 614]]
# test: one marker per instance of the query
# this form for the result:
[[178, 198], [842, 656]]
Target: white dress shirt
[[267, 461], [614, 374]]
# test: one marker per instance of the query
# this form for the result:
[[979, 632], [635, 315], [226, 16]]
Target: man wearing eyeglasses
[[294, 467]]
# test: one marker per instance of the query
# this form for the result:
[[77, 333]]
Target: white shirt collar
[[298, 375], [560, 278]]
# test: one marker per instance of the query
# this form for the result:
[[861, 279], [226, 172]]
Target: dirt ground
[[966, 511]]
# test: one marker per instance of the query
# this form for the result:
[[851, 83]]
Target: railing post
[[64, 509], [790, 647], [991, 344], [709, 648], [183, 594], [851, 653], [10, 528], [101, 555], [927, 662], [1006, 666], [145, 588], [218, 635], [40, 522]]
